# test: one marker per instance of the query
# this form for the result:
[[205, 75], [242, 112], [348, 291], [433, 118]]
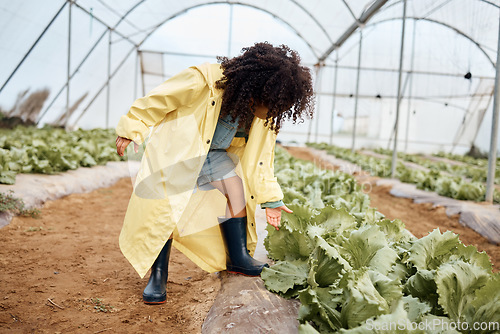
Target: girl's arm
[[180, 90], [273, 215], [121, 145]]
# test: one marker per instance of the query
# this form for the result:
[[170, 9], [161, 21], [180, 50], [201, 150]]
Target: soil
[[64, 273], [419, 219]]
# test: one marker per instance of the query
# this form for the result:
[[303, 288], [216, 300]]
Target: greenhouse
[[394, 182]]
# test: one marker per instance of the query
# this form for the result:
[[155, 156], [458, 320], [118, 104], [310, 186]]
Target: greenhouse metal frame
[[327, 28]]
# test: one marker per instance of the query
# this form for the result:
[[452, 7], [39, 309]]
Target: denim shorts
[[217, 166]]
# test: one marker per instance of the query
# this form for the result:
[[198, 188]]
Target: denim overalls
[[218, 165]]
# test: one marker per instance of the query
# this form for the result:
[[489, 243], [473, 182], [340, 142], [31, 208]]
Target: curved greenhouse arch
[[184, 11], [456, 30]]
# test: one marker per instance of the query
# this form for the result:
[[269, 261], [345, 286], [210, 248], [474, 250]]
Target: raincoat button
[[208, 141], [213, 103], [251, 197], [261, 163]]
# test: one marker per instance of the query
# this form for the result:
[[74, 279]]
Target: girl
[[209, 154]]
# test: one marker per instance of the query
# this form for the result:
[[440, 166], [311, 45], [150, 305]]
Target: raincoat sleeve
[[259, 164], [179, 90], [267, 188]]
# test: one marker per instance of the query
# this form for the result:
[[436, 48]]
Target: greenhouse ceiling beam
[[104, 86], [433, 99], [32, 47], [375, 69], [362, 20], [105, 24], [42, 114], [395, 3], [182, 54], [185, 10], [490, 3], [350, 10], [308, 13], [314, 19], [124, 16], [87, 56], [458, 31], [344, 67]]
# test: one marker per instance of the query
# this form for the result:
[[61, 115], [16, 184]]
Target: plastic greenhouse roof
[[444, 39], [321, 24]]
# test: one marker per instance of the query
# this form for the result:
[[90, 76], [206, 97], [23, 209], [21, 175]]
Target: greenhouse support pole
[[309, 130], [142, 73], [136, 75], [230, 33], [32, 47], [334, 96], [492, 159], [103, 86], [410, 90], [398, 103], [42, 114], [316, 87], [163, 76], [357, 92], [319, 77], [109, 79], [403, 90], [68, 72]]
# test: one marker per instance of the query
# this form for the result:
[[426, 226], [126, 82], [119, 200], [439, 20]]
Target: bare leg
[[232, 188]]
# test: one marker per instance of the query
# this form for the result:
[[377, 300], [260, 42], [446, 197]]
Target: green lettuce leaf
[[422, 285], [415, 308], [395, 322], [326, 265], [391, 290], [368, 247], [307, 329], [320, 306], [285, 276], [287, 245], [361, 299], [434, 249], [395, 231], [486, 305], [457, 283], [334, 221]]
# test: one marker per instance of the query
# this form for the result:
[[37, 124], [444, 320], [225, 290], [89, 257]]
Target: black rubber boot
[[156, 290], [234, 233]]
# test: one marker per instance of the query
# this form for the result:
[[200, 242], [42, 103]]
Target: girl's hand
[[274, 215], [121, 145]]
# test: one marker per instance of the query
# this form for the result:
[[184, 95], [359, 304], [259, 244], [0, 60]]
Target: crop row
[[52, 150], [433, 180], [474, 172], [466, 159], [355, 271]]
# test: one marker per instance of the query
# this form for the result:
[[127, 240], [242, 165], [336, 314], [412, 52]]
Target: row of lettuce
[[445, 184], [356, 272], [477, 171], [53, 150], [481, 162]]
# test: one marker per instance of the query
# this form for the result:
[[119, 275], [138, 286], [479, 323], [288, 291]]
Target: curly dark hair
[[269, 76]]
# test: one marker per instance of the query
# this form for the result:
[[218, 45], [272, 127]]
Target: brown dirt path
[[70, 255], [419, 219]]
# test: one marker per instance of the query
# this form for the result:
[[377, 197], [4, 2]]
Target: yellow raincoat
[[183, 112]]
